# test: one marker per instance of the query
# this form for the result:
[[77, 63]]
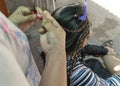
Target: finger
[[31, 17], [52, 20], [45, 18], [39, 13], [48, 26], [25, 9], [39, 10], [46, 14], [46, 22], [44, 42]]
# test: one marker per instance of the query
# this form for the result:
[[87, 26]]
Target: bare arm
[[54, 73], [53, 44]]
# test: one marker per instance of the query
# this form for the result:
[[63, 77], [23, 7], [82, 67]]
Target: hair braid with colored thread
[[76, 31]]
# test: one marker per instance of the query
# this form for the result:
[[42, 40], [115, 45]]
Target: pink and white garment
[[17, 67]]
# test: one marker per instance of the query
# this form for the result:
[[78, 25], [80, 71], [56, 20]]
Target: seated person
[[74, 21], [73, 25]]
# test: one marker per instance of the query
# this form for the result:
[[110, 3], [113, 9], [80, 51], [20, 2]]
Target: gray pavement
[[105, 25]]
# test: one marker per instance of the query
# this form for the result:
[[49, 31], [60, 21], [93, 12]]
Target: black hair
[[67, 17], [76, 31]]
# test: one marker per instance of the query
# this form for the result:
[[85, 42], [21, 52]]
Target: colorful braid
[[76, 54]]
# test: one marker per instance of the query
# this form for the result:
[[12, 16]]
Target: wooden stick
[[3, 8]]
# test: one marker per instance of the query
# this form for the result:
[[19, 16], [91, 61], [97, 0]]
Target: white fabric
[[17, 67]]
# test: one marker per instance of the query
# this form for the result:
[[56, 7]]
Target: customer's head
[[76, 30]]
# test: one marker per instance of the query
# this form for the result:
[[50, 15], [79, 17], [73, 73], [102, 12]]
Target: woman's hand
[[52, 36], [52, 39], [24, 18]]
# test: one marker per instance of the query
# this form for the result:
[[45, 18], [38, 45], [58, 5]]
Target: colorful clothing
[[14, 45], [83, 76]]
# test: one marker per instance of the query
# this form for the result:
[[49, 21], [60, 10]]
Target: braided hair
[[76, 31]]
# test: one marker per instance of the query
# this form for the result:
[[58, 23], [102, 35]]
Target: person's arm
[[53, 45], [11, 73], [54, 73], [83, 76], [94, 50], [112, 62]]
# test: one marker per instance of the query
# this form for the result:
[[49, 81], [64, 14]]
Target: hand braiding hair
[[76, 25]]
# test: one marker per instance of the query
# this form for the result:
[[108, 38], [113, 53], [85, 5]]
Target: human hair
[[76, 31], [67, 17]]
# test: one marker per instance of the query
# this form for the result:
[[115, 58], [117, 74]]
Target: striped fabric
[[83, 76]]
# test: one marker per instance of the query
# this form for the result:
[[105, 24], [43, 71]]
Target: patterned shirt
[[15, 57], [83, 76]]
